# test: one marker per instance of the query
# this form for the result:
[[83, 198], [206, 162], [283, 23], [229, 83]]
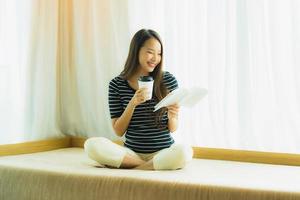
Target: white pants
[[106, 152]]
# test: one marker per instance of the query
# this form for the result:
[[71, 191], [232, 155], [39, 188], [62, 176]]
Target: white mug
[[146, 82]]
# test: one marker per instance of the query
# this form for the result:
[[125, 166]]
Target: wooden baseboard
[[247, 156], [79, 142], [199, 152], [34, 146]]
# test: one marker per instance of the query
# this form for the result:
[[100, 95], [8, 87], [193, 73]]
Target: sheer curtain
[[96, 54], [13, 21], [245, 54], [243, 51], [57, 85]]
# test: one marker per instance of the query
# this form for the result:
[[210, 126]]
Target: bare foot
[[130, 161], [146, 166]]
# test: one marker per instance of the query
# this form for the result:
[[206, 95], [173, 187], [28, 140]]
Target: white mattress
[[209, 173]]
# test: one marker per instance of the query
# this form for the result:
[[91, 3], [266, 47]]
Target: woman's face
[[149, 56]]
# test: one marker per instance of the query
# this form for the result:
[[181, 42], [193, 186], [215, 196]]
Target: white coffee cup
[[146, 82]]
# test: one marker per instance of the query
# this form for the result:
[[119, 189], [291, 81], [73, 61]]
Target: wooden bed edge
[[79, 142], [247, 156], [34, 146], [199, 152]]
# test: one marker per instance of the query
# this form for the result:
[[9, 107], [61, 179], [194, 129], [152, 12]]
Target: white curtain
[[243, 51], [96, 56], [14, 18], [42, 84]]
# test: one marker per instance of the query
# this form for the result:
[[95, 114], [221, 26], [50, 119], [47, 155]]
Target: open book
[[182, 96]]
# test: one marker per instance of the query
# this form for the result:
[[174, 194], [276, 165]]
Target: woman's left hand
[[173, 111]]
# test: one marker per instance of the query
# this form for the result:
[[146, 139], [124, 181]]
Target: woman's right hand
[[139, 97]]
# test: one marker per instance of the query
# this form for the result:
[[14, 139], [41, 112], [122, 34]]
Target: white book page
[[182, 96]]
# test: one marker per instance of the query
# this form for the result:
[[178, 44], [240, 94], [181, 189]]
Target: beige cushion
[[69, 174]]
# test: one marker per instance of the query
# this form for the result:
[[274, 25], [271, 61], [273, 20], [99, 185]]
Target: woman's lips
[[151, 64]]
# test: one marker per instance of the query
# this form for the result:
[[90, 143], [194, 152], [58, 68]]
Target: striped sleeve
[[114, 100], [170, 81]]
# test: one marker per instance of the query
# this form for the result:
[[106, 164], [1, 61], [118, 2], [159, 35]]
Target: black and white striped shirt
[[142, 135]]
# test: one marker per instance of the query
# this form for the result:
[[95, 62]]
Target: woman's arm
[[173, 124], [120, 124], [173, 117]]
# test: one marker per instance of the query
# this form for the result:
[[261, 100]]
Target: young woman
[[148, 141]]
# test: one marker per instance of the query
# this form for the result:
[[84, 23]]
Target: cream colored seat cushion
[[69, 174]]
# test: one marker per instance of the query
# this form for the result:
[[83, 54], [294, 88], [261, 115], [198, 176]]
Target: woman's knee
[[174, 157], [182, 153], [94, 146], [92, 143], [104, 151]]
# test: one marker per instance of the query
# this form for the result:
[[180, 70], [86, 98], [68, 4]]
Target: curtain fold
[[41, 117], [69, 113], [81, 61]]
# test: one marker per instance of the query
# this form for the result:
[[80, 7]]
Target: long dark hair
[[132, 64]]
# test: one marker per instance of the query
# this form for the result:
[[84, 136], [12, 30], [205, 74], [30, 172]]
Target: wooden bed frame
[[199, 152]]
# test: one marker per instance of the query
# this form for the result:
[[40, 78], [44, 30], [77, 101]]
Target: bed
[[65, 173]]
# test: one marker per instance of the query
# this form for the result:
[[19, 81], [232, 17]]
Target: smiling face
[[149, 56]]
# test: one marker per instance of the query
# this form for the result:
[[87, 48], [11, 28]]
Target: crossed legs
[[108, 153]]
